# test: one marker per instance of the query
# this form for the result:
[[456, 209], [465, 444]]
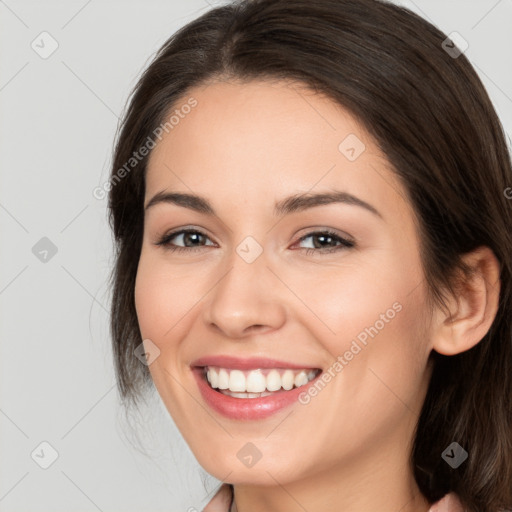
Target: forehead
[[256, 141]]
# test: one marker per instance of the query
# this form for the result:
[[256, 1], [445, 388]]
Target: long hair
[[431, 116]]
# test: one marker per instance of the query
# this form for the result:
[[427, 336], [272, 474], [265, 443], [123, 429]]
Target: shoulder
[[449, 503]]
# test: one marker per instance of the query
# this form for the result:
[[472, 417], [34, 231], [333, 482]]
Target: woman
[[313, 253]]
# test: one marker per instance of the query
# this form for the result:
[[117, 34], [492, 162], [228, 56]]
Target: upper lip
[[252, 363]]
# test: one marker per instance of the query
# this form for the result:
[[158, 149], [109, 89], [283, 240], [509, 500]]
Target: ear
[[473, 311]]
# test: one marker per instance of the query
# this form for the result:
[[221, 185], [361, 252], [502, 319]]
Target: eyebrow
[[294, 203]]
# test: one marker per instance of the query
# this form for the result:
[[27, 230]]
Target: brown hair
[[430, 114]]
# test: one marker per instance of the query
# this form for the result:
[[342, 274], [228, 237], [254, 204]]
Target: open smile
[[251, 389]]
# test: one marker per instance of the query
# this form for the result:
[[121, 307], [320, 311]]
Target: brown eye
[[325, 238], [186, 236]]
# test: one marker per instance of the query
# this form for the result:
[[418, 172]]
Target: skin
[[244, 147]]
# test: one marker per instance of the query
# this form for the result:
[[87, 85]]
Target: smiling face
[[255, 288]]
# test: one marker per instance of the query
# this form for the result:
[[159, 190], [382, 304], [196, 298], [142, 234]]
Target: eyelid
[[344, 240], [179, 231], [311, 230]]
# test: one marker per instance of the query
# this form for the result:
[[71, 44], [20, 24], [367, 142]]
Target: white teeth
[[300, 379], [254, 383], [213, 378], [287, 380], [273, 381], [237, 381], [223, 382]]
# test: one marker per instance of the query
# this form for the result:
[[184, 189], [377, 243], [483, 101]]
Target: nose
[[248, 298]]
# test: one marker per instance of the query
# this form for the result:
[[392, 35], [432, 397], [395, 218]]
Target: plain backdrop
[[58, 402]]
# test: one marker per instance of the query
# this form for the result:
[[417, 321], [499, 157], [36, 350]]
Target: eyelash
[[344, 243]]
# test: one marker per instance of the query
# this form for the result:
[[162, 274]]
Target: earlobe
[[474, 309]]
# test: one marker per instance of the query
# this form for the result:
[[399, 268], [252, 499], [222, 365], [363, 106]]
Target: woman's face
[[255, 288]]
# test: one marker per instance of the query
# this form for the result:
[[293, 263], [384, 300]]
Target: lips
[[251, 389]]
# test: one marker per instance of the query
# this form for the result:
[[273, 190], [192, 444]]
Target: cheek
[[343, 302], [165, 297], [371, 316], [386, 350], [155, 300]]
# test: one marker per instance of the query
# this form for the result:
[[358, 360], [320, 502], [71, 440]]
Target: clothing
[[222, 501], [450, 503]]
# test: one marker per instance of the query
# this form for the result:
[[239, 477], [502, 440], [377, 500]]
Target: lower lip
[[247, 408]]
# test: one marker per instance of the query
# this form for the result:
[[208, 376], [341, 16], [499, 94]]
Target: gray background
[[58, 119]]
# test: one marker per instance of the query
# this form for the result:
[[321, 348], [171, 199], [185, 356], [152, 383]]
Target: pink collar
[[449, 503]]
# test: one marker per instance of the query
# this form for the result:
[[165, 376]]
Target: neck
[[380, 479], [319, 493]]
